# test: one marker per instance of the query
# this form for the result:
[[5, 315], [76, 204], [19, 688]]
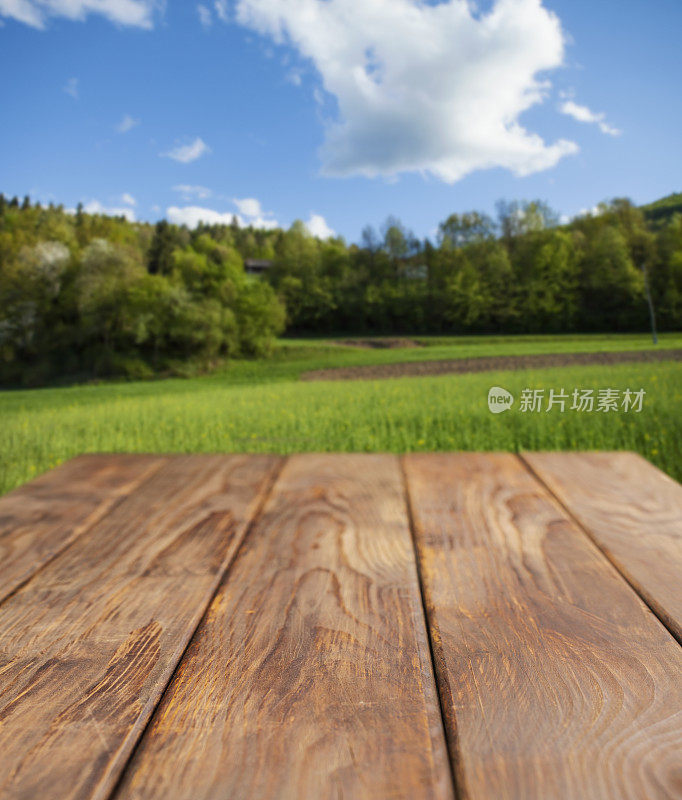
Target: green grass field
[[261, 406]]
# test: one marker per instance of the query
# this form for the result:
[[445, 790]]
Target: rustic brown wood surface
[[634, 514], [311, 676], [89, 644], [556, 680], [181, 627], [44, 516]]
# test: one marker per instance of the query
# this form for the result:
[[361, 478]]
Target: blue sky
[[339, 112]]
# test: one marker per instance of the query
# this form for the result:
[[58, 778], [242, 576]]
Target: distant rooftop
[[257, 266]]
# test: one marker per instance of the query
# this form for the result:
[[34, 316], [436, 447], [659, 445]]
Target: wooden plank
[[310, 676], [633, 511], [41, 518], [89, 644], [556, 681]]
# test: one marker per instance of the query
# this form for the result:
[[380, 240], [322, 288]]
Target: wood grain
[[556, 681], [633, 511], [89, 644], [41, 518], [310, 676]]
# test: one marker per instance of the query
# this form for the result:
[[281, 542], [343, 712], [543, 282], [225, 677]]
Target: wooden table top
[[470, 626]]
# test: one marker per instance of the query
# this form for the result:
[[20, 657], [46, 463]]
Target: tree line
[[84, 294], [91, 295], [522, 272]]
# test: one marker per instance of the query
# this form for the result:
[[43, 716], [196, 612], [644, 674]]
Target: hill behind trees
[[663, 210]]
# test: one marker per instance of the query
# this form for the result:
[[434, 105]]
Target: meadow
[[261, 406]]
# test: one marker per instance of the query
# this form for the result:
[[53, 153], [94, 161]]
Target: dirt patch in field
[[379, 344], [416, 369]]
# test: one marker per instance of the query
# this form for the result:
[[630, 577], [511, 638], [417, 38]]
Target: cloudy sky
[[338, 112]]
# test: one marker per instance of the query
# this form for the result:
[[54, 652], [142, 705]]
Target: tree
[[30, 285], [547, 281], [102, 289], [491, 261], [518, 219], [396, 238], [83, 293], [611, 285], [160, 255], [665, 274], [370, 239], [459, 230], [260, 317], [464, 297], [643, 249]]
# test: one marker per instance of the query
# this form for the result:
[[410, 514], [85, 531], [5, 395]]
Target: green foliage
[[460, 230], [665, 209], [523, 273], [84, 294]]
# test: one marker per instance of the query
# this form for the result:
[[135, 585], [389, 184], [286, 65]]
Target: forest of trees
[[84, 295]]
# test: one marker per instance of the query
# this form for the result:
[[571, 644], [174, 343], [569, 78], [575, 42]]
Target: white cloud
[[128, 199], [317, 226], [188, 152], [584, 114], [221, 10], [71, 86], [36, 13], [188, 191], [249, 207], [430, 87], [127, 124], [22, 11], [595, 211], [205, 16], [252, 211], [249, 213], [95, 207], [193, 215]]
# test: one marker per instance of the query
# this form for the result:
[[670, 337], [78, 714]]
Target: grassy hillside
[[664, 209]]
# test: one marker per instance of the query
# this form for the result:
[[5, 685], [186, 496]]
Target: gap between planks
[[45, 522], [659, 593], [562, 682], [113, 790], [447, 718], [110, 789], [174, 540], [440, 662], [312, 676]]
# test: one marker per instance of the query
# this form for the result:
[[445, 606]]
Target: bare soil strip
[[451, 366], [378, 343]]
